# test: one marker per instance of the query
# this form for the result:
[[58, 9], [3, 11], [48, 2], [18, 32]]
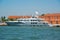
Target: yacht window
[[23, 20], [43, 23], [20, 20], [34, 20], [33, 23], [26, 20], [39, 20]]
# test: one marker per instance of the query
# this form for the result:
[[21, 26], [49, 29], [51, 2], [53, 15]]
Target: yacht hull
[[25, 24]]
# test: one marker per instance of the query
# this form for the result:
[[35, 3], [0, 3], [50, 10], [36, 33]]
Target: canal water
[[29, 33]]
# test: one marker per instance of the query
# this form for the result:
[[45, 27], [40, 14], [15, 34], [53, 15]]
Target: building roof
[[14, 17], [52, 14], [45, 15]]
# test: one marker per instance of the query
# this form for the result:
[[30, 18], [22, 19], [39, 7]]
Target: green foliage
[[42, 14], [3, 18], [11, 19]]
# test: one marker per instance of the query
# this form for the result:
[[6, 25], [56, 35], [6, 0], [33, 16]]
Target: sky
[[28, 7]]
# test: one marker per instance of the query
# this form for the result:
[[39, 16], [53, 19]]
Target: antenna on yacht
[[36, 14]]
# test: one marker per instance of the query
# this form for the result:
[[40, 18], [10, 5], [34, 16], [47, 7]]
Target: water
[[29, 33]]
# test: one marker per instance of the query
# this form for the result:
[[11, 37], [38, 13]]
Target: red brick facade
[[53, 18]]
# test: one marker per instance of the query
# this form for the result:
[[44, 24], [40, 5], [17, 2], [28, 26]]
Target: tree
[[42, 14], [3, 18]]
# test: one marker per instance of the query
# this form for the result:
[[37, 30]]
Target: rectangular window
[[51, 22], [55, 17], [56, 22]]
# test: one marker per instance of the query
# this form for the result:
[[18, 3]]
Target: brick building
[[53, 18]]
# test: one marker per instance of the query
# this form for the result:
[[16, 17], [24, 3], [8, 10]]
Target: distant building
[[17, 17], [53, 18]]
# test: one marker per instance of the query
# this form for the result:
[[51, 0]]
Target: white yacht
[[28, 21]]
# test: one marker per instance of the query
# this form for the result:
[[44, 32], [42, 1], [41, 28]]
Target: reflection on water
[[29, 33]]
